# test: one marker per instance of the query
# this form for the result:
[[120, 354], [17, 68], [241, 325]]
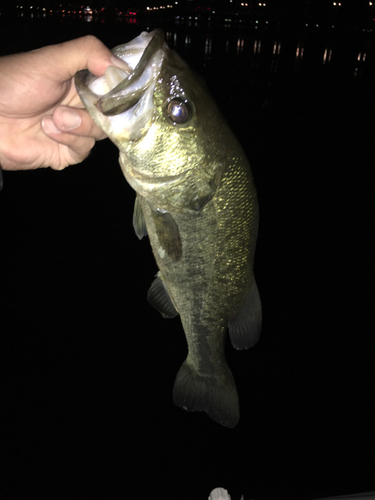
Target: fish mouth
[[128, 92], [121, 101]]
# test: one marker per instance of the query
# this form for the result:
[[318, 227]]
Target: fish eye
[[177, 111]]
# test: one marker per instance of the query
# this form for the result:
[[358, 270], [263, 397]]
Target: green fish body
[[196, 200]]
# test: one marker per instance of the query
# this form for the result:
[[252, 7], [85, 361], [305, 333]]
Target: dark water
[[89, 365]]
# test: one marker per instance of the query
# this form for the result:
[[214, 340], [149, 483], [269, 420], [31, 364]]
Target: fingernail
[[49, 126], [119, 63], [70, 119]]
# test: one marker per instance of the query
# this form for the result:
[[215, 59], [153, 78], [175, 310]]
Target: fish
[[197, 202]]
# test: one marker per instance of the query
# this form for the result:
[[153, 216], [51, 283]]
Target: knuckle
[[92, 41]]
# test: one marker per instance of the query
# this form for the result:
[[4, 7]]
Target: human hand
[[42, 120]]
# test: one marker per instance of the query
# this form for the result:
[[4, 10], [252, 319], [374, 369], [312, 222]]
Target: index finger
[[86, 52]]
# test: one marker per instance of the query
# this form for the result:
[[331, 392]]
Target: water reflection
[[274, 66], [327, 56], [171, 38], [257, 46], [276, 48], [208, 46], [299, 51], [252, 42], [361, 57], [360, 63], [240, 45]]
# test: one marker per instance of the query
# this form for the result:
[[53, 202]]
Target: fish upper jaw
[[121, 102]]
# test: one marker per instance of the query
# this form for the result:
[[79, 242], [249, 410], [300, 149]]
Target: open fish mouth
[[121, 101]]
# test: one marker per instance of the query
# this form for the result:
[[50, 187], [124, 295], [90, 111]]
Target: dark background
[[89, 366]]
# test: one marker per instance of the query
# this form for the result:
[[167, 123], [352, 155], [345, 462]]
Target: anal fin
[[244, 329], [159, 298]]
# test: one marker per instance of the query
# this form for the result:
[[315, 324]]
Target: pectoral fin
[[168, 234], [139, 223], [244, 329], [159, 298]]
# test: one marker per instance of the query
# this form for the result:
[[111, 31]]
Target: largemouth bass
[[196, 200]]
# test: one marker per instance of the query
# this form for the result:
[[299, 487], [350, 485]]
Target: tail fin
[[215, 395]]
